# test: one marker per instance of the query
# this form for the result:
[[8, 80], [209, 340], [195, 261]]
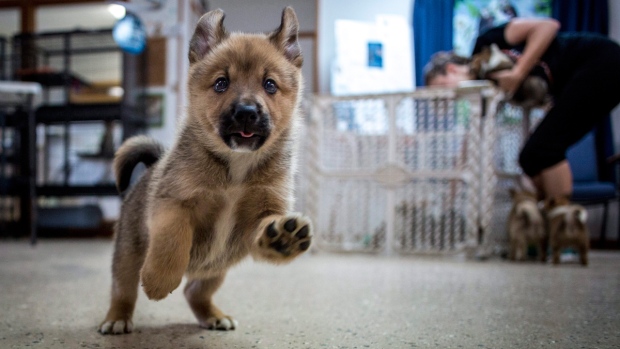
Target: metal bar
[[32, 171], [78, 51], [391, 195], [77, 190], [68, 115]]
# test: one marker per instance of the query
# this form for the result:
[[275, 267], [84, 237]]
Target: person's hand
[[508, 80]]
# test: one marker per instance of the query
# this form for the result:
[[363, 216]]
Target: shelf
[[10, 159], [78, 112], [19, 88], [87, 112], [13, 119], [10, 186], [77, 190], [70, 42], [70, 217], [54, 79]]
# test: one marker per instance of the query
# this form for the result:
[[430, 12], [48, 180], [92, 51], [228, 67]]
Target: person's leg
[[590, 95], [555, 181]]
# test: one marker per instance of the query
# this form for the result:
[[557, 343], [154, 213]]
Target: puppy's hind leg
[[583, 254], [512, 254], [199, 295], [125, 277], [520, 250], [555, 250], [543, 249]]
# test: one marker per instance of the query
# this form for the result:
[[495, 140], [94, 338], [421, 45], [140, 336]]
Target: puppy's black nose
[[245, 113]]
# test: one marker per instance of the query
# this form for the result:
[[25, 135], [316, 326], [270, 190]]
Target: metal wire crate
[[4, 59], [402, 172]]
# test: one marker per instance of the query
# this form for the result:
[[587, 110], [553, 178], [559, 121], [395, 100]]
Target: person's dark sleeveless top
[[566, 54]]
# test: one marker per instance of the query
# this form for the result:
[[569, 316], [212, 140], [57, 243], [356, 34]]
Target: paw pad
[[290, 225], [286, 237]]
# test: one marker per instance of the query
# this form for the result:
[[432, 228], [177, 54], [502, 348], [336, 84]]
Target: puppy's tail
[[133, 151], [528, 212]]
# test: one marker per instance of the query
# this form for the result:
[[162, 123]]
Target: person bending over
[[582, 71]]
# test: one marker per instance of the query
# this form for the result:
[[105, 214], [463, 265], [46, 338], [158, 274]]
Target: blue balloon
[[129, 34]]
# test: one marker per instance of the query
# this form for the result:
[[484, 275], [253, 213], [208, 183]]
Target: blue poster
[[375, 54], [472, 17]]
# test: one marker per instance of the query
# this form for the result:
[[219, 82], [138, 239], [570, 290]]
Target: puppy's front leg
[[282, 238], [170, 243]]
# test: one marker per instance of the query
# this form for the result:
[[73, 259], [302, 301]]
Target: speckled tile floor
[[54, 295]]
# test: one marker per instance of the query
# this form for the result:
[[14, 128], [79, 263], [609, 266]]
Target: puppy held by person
[[225, 189], [533, 91]]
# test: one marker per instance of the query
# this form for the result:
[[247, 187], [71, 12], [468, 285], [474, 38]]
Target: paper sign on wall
[[372, 57]]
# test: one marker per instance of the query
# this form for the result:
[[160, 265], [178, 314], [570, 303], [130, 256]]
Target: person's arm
[[537, 34]]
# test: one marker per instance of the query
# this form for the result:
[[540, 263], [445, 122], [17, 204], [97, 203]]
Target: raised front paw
[[285, 238], [159, 282]]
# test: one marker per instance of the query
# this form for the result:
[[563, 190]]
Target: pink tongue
[[246, 135]]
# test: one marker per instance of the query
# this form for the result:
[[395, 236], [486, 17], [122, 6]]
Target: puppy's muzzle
[[245, 114], [246, 127]]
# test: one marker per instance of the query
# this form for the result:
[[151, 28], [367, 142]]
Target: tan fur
[[216, 196], [481, 65], [525, 226], [567, 228], [531, 93]]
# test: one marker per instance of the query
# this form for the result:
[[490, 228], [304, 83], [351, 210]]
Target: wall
[[9, 22], [359, 10], [614, 19], [614, 33], [613, 230], [70, 17], [264, 16]]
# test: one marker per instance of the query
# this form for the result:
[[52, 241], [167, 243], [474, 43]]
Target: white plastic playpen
[[420, 172]]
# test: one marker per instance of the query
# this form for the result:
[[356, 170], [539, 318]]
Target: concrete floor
[[55, 295]]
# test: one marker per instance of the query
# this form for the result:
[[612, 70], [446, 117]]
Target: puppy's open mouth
[[245, 127], [246, 134], [244, 140]]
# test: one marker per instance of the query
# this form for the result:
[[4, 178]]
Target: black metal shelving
[[17, 168], [62, 62]]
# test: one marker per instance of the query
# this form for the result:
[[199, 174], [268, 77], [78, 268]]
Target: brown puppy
[[531, 93], [567, 228], [525, 226], [224, 190]]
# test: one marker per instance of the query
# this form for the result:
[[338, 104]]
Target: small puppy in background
[[225, 189], [525, 226], [532, 92], [567, 228]]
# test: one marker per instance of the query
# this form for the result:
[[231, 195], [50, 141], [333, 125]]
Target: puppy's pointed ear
[[209, 32], [285, 37]]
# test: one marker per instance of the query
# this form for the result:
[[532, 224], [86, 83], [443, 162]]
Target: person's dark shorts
[[589, 96]]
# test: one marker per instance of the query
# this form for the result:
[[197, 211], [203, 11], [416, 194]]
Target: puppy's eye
[[270, 86], [221, 85]]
